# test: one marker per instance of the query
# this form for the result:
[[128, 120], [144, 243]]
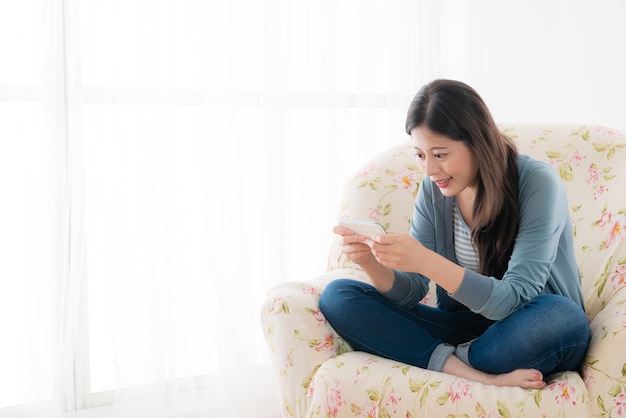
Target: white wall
[[538, 60]]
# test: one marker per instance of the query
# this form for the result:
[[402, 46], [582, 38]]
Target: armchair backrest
[[591, 160]]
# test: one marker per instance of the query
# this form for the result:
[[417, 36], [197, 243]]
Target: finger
[[376, 238], [382, 260], [377, 245], [354, 239], [388, 238], [356, 247], [342, 230], [347, 232], [356, 254]]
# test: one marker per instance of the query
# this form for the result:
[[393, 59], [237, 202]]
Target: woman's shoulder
[[535, 174], [529, 166]]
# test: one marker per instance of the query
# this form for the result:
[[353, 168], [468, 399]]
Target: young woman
[[491, 228]]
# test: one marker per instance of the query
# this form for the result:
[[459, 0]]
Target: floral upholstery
[[320, 375]]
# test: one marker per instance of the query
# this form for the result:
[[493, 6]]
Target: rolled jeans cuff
[[439, 356], [462, 352]]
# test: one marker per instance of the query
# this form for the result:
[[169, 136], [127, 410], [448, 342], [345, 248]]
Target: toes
[[536, 384]]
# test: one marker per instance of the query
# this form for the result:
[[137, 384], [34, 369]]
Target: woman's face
[[450, 164]]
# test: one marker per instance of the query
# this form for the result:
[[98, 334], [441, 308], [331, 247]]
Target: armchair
[[319, 374]]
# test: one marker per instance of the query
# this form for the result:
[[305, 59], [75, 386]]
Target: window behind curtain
[[201, 149], [28, 257]]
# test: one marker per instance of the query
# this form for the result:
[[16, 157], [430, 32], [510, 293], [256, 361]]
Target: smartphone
[[363, 227]]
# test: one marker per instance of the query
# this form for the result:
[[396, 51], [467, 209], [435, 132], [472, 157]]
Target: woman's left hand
[[403, 252], [398, 251]]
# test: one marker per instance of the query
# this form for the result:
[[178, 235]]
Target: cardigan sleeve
[[410, 288]]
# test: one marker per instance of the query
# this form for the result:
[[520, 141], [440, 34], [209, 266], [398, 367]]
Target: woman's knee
[[567, 324], [341, 297], [549, 331], [563, 315], [561, 305], [340, 290]]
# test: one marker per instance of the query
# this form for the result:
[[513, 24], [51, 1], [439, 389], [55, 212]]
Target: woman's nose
[[430, 167]]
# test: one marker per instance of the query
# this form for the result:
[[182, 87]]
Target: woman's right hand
[[358, 249], [354, 246]]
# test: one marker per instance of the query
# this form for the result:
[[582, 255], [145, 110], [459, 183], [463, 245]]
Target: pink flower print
[[565, 392], [604, 131], [590, 380], [319, 317], [359, 372], [327, 344], [287, 362], [600, 191], [620, 313], [374, 214], [619, 276], [577, 158], [620, 403], [392, 401], [366, 170], [552, 162], [593, 176], [277, 305], [615, 234], [459, 389], [369, 410], [310, 290], [334, 399], [406, 180], [605, 219]]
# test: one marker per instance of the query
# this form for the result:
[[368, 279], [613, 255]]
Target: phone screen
[[366, 228]]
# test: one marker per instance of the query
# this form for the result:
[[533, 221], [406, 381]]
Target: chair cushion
[[357, 384]]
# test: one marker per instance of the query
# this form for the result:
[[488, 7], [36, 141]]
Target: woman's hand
[[354, 246], [358, 250], [398, 251], [403, 252]]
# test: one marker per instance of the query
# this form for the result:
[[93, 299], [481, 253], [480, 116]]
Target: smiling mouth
[[443, 181]]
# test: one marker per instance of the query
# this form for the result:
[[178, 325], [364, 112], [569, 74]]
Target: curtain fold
[[167, 163]]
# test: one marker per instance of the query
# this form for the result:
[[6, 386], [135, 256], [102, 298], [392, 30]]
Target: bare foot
[[522, 378]]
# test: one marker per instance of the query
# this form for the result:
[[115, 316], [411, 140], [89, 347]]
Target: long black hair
[[455, 110]]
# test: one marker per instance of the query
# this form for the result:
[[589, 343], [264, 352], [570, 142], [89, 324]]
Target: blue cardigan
[[543, 259]]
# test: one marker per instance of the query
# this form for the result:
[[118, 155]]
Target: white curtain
[[163, 163]]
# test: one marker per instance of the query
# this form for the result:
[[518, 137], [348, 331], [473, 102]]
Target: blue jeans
[[550, 333]]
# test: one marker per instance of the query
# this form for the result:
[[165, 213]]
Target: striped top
[[465, 252]]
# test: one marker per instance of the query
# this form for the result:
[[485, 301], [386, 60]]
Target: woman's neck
[[465, 202]]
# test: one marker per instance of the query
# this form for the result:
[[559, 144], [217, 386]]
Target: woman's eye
[[439, 156]]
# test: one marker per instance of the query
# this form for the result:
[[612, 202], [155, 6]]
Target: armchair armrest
[[604, 368], [299, 337]]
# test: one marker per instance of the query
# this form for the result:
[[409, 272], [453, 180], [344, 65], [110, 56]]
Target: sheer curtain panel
[[162, 164]]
